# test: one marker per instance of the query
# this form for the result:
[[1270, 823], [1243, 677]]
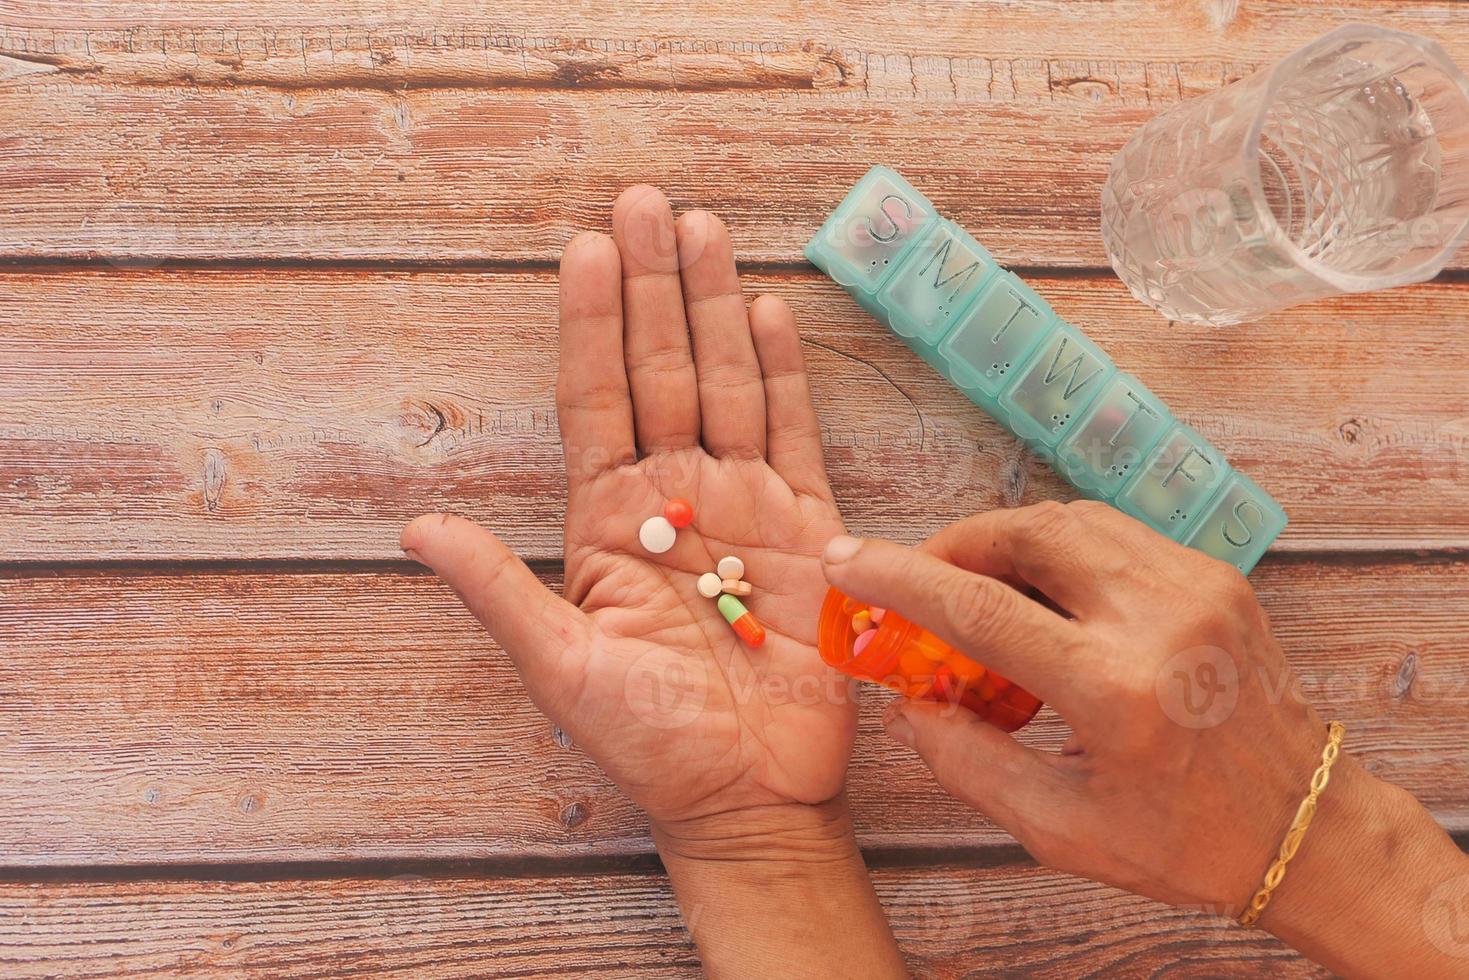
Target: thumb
[[534, 626], [1017, 787]]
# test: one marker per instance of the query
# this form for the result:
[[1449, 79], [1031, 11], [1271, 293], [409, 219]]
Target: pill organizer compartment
[[1057, 385], [994, 337], [1109, 443], [860, 244], [907, 658], [936, 280], [1238, 524], [1177, 481]]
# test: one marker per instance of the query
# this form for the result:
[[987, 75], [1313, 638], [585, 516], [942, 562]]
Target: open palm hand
[[668, 388]]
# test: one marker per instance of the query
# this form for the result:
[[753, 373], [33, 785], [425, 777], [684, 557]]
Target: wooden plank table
[[276, 277]]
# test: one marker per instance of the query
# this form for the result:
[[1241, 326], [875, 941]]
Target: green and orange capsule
[[745, 625]]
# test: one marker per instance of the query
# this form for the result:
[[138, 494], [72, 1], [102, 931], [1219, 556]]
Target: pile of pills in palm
[[728, 576], [725, 584]]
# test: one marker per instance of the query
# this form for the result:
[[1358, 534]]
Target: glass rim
[[1349, 282]]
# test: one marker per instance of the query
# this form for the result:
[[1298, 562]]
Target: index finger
[[1057, 548], [976, 614]]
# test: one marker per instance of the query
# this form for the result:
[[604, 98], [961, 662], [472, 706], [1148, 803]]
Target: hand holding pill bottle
[[1190, 748], [889, 650]]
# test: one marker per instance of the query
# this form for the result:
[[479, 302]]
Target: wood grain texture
[[951, 922], [177, 720], [328, 715], [456, 176], [195, 135], [194, 415], [1177, 46]]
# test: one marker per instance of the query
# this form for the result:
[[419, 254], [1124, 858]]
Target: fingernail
[[897, 724], [840, 548]]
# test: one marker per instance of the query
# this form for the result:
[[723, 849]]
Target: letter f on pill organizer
[[995, 339]]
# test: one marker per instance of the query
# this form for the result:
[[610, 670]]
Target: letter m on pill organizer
[[999, 342]]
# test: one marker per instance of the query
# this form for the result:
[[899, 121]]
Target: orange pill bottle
[[909, 659]]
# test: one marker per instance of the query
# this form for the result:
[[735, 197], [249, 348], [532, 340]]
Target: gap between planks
[[543, 567], [645, 863], [60, 265]]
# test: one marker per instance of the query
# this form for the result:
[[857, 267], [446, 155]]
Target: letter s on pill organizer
[[996, 340]]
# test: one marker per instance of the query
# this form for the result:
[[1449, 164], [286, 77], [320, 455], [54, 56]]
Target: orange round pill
[[917, 667], [965, 669], [679, 512]]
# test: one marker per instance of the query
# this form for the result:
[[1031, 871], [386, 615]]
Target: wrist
[[778, 890], [769, 834], [1348, 846], [1353, 899]]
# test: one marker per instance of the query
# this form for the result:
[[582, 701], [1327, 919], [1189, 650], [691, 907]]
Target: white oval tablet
[[730, 567], [710, 585], [657, 534]]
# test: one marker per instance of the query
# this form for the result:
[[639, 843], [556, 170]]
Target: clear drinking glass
[[1342, 168]]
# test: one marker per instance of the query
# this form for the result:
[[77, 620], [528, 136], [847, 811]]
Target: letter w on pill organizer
[[998, 341]]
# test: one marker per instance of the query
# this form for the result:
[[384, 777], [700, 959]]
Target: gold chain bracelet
[[1336, 731]]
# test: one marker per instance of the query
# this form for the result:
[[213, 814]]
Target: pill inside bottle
[[879, 645]]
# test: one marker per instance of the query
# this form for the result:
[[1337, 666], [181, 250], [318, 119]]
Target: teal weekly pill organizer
[[989, 333]]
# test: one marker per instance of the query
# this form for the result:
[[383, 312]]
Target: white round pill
[[710, 585], [657, 534], [731, 567]]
